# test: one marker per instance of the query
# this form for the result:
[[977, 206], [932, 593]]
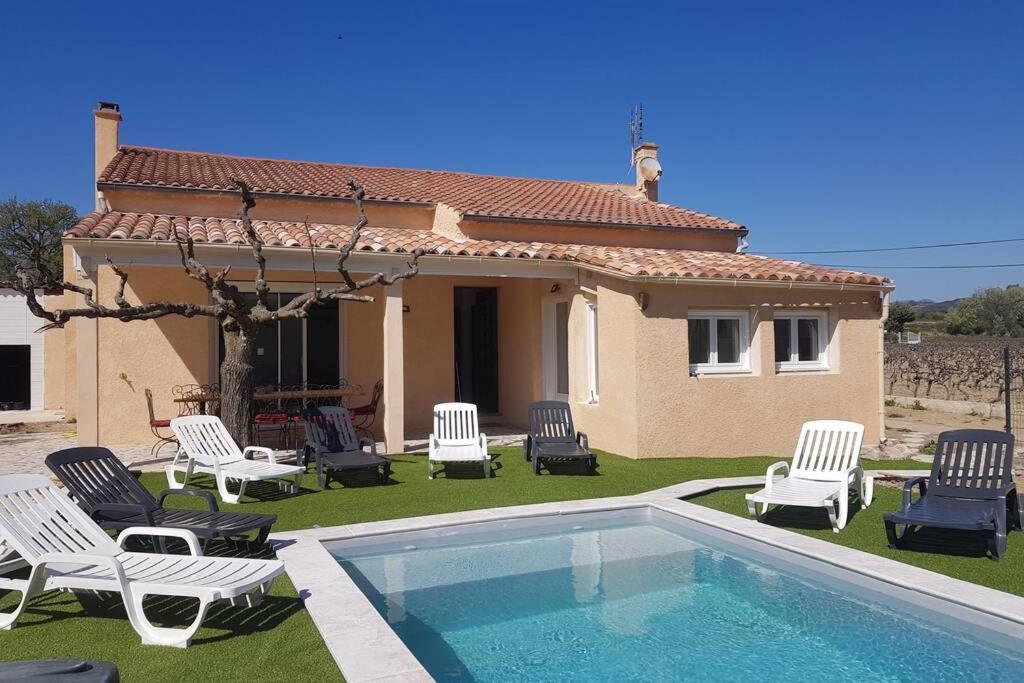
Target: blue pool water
[[639, 600]]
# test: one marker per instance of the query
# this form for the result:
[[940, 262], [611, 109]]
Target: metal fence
[[1013, 381]]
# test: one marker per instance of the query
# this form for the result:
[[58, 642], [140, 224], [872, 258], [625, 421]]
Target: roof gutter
[[221, 191], [642, 226], [113, 245]]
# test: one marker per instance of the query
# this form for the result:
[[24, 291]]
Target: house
[[24, 376], [666, 341]]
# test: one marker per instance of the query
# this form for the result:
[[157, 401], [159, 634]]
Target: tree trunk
[[237, 378]]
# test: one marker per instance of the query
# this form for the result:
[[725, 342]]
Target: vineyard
[[968, 369]]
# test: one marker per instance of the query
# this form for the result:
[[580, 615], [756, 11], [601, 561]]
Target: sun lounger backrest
[[551, 422], [329, 429], [205, 439], [95, 476], [972, 463], [827, 449], [455, 424], [37, 518]]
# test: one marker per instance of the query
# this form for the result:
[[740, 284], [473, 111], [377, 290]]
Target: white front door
[[556, 349]]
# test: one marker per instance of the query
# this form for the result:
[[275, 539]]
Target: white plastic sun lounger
[[457, 437], [207, 448], [826, 465], [67, 550]]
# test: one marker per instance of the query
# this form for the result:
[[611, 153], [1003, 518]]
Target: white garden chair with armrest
[[207, 448], [456, 437], [67, 550], [826, 465]]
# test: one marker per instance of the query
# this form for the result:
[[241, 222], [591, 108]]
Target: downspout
[[881, 366]]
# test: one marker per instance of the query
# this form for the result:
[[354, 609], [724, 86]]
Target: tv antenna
[[636, 131]]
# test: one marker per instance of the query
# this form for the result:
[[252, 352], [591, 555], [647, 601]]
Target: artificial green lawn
[[956, 554], [279, 642]]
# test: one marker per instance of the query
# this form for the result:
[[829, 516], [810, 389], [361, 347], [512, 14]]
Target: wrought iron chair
[[155, 425], [364, 416]]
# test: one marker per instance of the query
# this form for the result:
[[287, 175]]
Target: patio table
[[273, 396]]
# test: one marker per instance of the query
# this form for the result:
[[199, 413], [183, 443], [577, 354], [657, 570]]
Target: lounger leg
[[155, 635], [487, 468], [29, 589], [752, 507], [227, 496], [844, 512], [536, 465], [430, 468], [896, 540], [172, 482], [867, 490], [833, 516]]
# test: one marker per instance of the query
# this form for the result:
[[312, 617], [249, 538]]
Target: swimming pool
[[641, 595]]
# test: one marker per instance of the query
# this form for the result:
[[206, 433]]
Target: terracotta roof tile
[[629, 261], [482, 195]]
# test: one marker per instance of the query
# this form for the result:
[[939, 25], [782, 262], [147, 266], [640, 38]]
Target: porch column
[[87, 364], [394, 375]]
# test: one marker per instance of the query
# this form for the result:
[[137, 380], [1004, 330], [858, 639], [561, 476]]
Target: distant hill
[[929, 306]]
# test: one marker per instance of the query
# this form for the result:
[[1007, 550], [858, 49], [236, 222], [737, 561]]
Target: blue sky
[[817, 125]]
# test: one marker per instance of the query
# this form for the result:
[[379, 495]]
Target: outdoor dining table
[[273, 396]]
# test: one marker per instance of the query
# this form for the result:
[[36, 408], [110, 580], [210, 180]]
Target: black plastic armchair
[[334, 446], [969, 488], [552, 437]]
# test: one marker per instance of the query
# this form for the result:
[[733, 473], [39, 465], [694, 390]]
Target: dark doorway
[[15, 373], [476, 347]]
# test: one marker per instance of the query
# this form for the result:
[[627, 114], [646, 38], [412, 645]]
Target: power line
[[982, 265], [865, 251]]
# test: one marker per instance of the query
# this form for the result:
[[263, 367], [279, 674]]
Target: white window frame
[[793, 364], [713, 366], [592, 351]]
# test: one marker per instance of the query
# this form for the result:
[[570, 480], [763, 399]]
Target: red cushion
[[159, 423], [362, 410], [271, 418]]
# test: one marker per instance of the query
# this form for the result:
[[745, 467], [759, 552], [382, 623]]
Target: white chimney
[[108, 121], [648, 170]]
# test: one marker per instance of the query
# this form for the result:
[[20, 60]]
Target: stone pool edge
[[366, 649]]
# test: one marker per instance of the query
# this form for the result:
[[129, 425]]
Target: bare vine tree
[[238, 316]]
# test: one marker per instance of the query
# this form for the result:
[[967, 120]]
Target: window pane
[[700, 340], [562, 347], [322, 345], [291, 347], [728, 340], [807, 338], [782, 349]]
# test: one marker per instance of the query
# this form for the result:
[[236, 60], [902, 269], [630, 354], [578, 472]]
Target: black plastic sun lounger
[[110, 494], [969, 486], [553, 437], [334, 446]]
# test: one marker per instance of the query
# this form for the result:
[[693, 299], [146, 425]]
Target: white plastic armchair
[[67, 550], [826, 466], [206, 447], [457, 437]]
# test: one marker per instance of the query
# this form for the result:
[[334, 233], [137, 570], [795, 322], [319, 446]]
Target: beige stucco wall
[[645, 381], [649, 405], [54, 360]]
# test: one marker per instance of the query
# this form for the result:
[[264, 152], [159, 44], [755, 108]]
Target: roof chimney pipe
[[107, 116], [648, 170]]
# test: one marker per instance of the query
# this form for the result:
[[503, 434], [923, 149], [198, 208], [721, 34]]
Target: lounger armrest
[[483, 444], [769, 476], [583, 441], [365, 442], [87, 559], [432, 445], [259, 449], [528, 446], [908, 487], [210, 500], [190, 538], [97, 511]]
